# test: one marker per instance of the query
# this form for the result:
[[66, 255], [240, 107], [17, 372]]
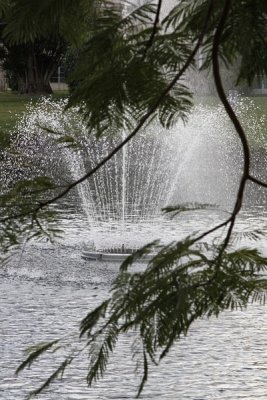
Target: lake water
[[47, 289]]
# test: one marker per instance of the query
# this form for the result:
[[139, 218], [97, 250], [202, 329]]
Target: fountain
[[199, 163]]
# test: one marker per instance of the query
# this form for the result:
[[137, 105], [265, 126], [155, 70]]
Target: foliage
[[29, 20], [160, 304], [29, 64], [129, 73], [70, 60], [181, 283], [250, 19], [20, 220], [120, 80]]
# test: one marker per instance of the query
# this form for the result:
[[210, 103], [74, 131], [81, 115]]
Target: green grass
[[261, 111], [261, 106], [257, 111], [260, 101], [12, 105]]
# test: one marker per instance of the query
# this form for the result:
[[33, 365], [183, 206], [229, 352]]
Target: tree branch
[[140, 124], [257, 181], [245, 146], [214, 229], [232, 116], [155, 25], [246, 151]]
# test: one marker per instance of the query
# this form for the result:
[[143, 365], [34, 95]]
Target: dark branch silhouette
[[234, 119], [155, 26], [140, 124], [257, 181], [229, 221]]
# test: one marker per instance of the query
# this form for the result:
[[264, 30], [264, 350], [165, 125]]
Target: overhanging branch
[[238, 127], [257, 181], [155, 25], [233, 118], [141, 123]]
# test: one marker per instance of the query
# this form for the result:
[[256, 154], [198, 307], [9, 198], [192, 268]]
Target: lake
[[47, 289]]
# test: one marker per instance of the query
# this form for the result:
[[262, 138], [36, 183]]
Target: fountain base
[[112, 254]]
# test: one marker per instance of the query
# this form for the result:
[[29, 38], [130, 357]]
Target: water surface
[[46, 290]]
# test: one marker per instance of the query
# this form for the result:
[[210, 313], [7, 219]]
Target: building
[[3, 80]]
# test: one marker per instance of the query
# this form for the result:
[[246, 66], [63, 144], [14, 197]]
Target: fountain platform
[[112, 254]]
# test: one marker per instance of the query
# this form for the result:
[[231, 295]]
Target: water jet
[[200, 162]]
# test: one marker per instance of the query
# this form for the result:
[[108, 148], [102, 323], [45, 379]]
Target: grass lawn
[[13, 104], [259, 111]]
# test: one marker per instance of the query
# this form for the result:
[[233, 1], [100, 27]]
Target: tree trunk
[[36, 77], [35, 85], [33, 64]]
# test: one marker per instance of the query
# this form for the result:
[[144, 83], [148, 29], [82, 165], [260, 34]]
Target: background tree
[[31, 61], [70, 61], [131, 70], [30, 66]]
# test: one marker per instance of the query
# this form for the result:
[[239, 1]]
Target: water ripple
[[52, 288]]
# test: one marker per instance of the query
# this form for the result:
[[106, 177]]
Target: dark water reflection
[[45, 293]]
